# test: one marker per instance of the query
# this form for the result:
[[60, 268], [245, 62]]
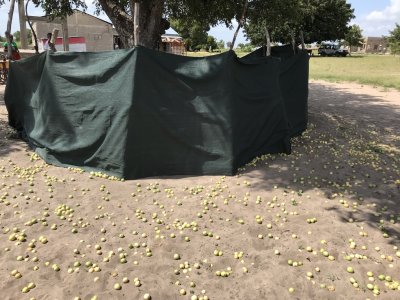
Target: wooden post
[[22, 24], [268, 53], [8, 32], [136, 17], [64, 27], [241, 23]]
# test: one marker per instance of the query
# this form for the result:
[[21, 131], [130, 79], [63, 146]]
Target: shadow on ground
[[9, 140], [351, 151]]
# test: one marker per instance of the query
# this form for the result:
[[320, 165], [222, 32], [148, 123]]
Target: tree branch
[[241, 22], [30, 25], [302, 40], [267, 35], [121, 20]]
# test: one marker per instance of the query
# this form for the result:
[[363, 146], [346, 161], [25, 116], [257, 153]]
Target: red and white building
[[89, 33], [76, 43], [86, 32]]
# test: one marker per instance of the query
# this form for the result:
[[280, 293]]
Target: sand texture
[[299, 221]]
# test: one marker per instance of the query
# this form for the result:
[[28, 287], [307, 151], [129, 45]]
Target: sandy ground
[[66, 235]]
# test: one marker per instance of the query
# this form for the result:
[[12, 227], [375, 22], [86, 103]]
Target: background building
[[91, 33], [172, 43], [372, 45]]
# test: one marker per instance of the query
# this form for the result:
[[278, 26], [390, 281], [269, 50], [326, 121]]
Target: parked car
[[332, 50]]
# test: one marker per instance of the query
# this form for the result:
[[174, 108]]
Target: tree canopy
[[354, 36], [245, 47], [394, 40], [327, 20], [194, 34], [17, 36], [276, 18], [221, 44], [153, 15], [318, 19]]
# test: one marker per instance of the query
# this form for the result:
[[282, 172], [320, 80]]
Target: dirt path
[[342, 172]]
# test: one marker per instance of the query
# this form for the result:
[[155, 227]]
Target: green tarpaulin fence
[[138, 113], [293, 82]]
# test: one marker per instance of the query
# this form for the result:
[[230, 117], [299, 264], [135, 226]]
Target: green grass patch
[[200, 53], [205, 53], [376, 70]]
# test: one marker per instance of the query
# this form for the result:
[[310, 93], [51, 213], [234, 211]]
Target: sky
[[375, 17]]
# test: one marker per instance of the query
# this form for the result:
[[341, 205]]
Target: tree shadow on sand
[[351, 152], [9, 139]]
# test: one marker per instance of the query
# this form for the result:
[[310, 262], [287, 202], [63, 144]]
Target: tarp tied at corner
[[138, 113]]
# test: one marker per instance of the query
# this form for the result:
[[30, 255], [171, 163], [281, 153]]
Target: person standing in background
[[48, 45], [14, 49]]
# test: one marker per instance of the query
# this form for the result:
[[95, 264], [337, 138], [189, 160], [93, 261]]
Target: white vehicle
[[332, 50]]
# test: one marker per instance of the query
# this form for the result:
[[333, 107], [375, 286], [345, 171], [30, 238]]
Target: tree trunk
[[65, 34], [241, 23], [8, 32], [302, 40], [52, 42], [122, 22], [22, 25], [268, 52], [135, 7], [293, 42], [150, 22], [151, 25]]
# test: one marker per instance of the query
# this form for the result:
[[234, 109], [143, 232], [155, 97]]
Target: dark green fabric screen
[[138, 113], [293, 82]]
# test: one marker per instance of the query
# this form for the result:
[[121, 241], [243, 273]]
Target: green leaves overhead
[[318, 19], [55, 9], [194, 33], [205, 11], [328, 21]]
